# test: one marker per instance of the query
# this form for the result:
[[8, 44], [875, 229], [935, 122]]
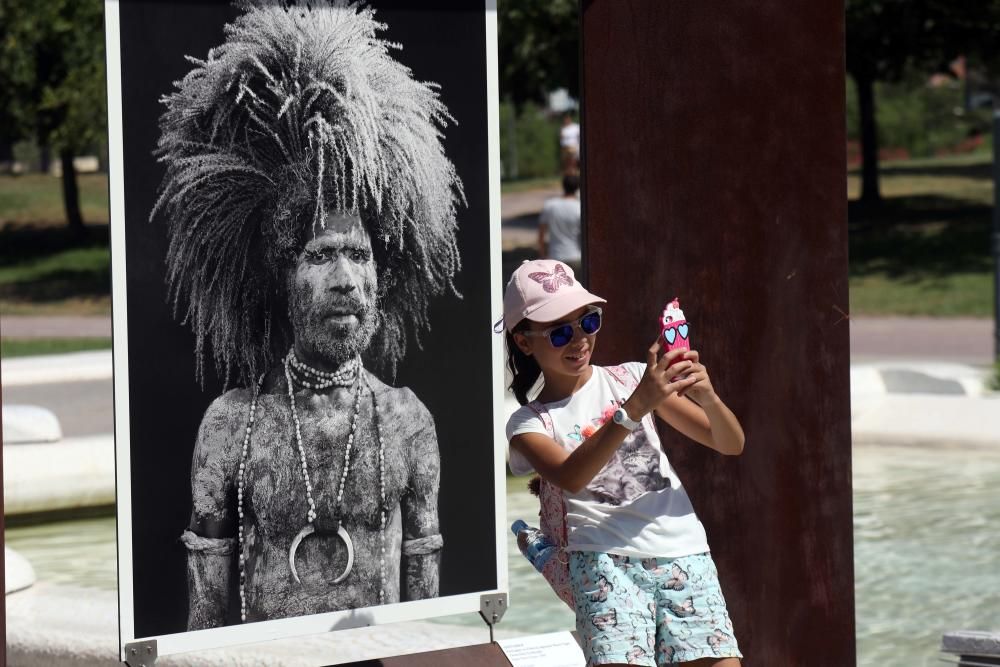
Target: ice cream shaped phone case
[[674, 329]]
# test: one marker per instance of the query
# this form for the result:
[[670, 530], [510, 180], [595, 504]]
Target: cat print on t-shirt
[[632, 471]]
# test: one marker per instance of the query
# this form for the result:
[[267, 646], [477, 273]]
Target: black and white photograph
[[305, 251]]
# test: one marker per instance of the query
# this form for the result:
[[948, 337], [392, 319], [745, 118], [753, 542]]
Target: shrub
[[919, 118], [536, 139], [993, 380]]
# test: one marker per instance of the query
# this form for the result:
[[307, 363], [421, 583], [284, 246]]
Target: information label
[[555, 649]]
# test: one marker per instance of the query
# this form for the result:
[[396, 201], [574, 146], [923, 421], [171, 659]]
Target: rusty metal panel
[[714, 170]]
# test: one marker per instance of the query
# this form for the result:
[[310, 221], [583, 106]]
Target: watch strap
[[621, 417]]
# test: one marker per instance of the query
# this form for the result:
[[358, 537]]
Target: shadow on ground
[[19, 243], [919, 236], [982, 170], [528, 221], [43, 265]]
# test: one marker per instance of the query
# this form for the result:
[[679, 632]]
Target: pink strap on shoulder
[[623, 376], [543, 414]]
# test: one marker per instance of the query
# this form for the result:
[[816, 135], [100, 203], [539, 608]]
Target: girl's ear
[[522, 343]]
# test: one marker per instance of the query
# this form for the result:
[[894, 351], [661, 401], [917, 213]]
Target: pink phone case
[[674, 334]]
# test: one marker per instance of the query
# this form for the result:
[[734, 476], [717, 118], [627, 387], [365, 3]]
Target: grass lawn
[[44, 269], [926, 250], [53, 279], [23, 347], [36, 200]]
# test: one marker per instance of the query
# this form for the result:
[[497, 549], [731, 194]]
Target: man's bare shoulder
[[400, 403], [225, 419]]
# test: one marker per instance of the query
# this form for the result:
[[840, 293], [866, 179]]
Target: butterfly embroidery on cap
[[551, 282]]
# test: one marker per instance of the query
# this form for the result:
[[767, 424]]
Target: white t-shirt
[[569, 136], [562, 216], [636, 505]]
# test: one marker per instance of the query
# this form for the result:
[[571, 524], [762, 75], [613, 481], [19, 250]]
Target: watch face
[[619, 416]]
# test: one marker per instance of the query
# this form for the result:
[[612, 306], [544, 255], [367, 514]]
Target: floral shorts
[[650, 611]]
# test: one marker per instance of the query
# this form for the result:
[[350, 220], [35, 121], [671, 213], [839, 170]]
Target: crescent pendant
[[308, 530]]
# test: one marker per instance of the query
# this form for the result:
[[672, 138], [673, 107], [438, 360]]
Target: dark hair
[[256, 154], [571, 183], [524, 369]]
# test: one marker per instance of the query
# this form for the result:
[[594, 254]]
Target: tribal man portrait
[[311, 215]]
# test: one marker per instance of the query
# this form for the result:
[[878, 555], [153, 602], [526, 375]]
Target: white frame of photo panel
[[318, 623]]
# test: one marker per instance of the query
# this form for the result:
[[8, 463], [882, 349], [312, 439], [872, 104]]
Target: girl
[[645, 588]]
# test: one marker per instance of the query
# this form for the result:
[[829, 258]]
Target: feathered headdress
[[301, 111]]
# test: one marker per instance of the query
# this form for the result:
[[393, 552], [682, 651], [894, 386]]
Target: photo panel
[[305, 196]]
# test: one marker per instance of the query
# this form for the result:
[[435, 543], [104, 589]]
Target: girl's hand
[[655, 386], [701, 390]]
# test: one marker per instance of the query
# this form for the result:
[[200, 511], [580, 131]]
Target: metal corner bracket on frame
[[492, 607], [141, 654]]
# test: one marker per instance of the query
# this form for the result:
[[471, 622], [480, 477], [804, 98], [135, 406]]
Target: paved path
[[33, 326], [518, 204], [519, 217], [963, 340], [83, 408]]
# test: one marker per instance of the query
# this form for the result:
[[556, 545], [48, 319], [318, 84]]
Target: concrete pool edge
[[58, 626]]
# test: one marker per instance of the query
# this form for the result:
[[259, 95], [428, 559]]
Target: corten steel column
[[714, 170]]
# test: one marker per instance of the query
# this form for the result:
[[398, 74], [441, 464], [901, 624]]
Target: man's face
[[332, 293]]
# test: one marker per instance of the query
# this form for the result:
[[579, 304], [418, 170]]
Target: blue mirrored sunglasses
[[561, 334]]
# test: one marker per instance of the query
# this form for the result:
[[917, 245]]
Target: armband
[[210, 546], [422, 545]]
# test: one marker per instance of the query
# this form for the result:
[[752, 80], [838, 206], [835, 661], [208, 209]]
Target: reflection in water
[[927, 554], [926, 550], [81, 552]]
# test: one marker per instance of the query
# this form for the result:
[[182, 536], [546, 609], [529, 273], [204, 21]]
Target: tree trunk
[[44, 157], [71, 195], [865, 85]]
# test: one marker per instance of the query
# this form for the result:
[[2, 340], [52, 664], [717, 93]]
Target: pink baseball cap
[[542, 290]]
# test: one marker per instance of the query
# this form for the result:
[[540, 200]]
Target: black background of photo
[[443, 42]]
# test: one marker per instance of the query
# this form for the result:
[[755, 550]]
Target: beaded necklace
[[297, 372]]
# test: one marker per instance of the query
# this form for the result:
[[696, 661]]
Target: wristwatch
[[621, 417]]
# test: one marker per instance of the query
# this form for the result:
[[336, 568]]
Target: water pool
[[927, 554]]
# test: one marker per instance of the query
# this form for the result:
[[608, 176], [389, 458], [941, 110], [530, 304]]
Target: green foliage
[[52, 72], [539, 45], [535, 138], [993, 381], [884, 37], [27, 153], [918, 117]]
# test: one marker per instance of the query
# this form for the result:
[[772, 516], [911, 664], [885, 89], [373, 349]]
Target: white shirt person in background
[[559, 225], [569, 144]]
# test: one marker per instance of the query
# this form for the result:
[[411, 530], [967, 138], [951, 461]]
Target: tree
[[887, 37], [539, 49], [52, 70]]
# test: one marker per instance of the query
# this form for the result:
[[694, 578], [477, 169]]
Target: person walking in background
[[569, 145], [559, 225]]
